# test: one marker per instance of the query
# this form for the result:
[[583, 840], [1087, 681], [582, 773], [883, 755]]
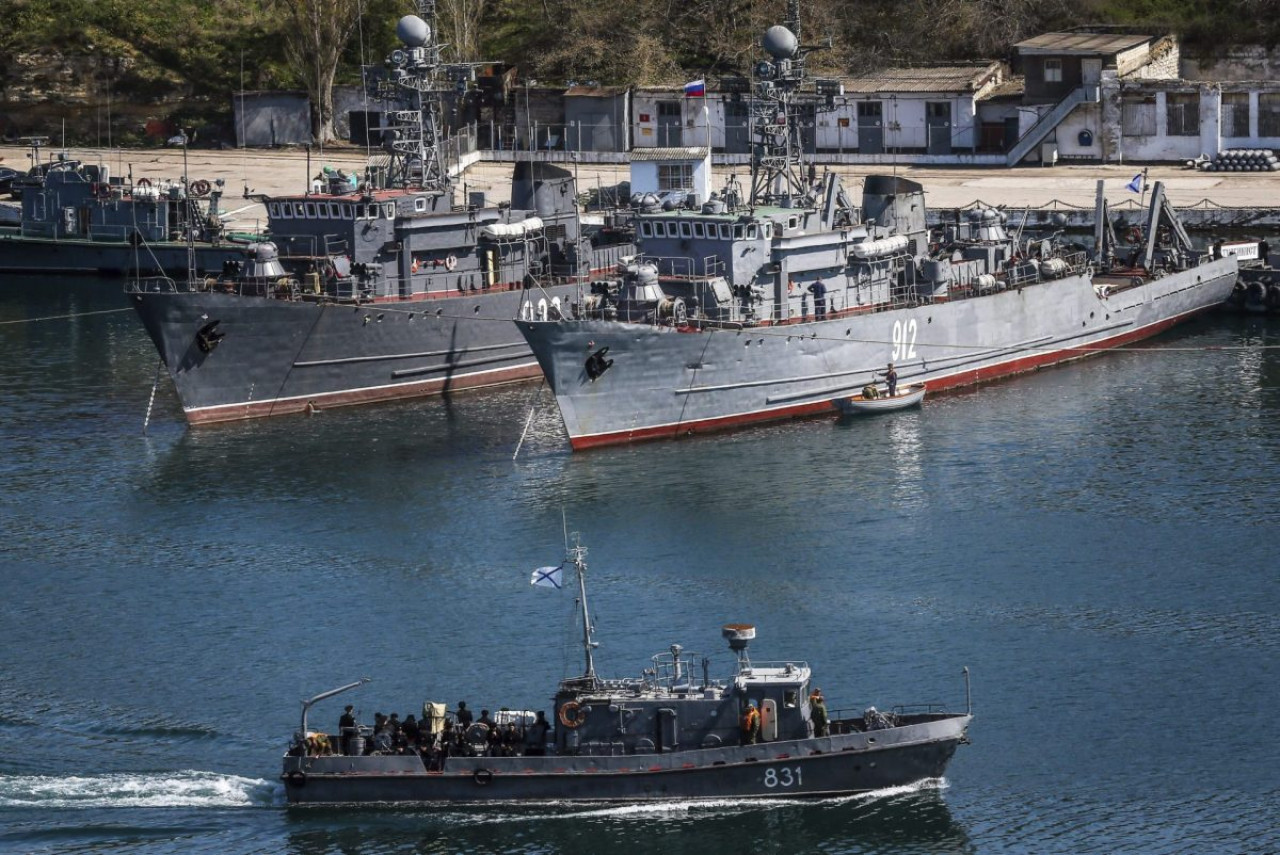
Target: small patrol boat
[[673, 732], [864, 403]]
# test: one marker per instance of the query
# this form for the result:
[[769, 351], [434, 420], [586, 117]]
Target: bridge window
[[686, 229], [726, 231], [299, 210], [348, 212], [753, 231], [646, 229], [420, 204], [311, 210], [699, 230], [389, 210], [738, 231]]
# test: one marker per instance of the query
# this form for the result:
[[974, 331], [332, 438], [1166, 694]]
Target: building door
[[1091, 71], [737, 127], [871, 127], [938, 122], [670, 124]]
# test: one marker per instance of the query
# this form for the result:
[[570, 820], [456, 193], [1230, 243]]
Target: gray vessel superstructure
[[672, 732], [78, 218], [378, 286], [771, 304]]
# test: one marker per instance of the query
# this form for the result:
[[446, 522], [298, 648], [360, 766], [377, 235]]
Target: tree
[[315, 34]]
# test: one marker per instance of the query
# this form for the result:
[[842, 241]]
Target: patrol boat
[[673, 732], [377, 287], [770, 305], [78, 218]]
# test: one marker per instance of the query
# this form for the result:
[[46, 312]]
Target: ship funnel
[[739, 635]]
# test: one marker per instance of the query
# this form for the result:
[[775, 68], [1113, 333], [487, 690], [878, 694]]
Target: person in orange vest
[[414, 267], [751, 725]]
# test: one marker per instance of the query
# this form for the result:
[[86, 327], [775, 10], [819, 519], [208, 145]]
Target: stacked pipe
[[1242, 160]]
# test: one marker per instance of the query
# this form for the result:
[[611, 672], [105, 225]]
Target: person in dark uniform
[[819, 291], [463, 715], [346, 728], [891, 380], [535, 738]]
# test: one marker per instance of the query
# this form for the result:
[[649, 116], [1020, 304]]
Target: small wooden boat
[[908, 396]]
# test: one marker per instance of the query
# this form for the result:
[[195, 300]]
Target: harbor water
[[1097, 542]]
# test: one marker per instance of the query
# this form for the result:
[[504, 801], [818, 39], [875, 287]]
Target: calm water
[[1098, 543]]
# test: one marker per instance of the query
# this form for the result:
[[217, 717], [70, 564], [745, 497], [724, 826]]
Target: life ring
[[450, 261], [482, 777], [200, 188], [572, 714], [102, 190], [143, 182], [1134, 235]]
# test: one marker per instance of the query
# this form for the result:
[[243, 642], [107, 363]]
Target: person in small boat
[[818, 713], [751, 725], [891, 379], [870, 392], [410, 729]]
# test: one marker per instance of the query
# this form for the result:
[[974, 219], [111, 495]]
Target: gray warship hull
[[285, 356], [667, 381], [24, 254], [917, 750]]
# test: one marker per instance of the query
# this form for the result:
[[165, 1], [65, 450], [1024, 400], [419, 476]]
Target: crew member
[[819, 291], [347, 728], [818, 713], [463, 715], [751, 725], [891, 380], [535, 738]]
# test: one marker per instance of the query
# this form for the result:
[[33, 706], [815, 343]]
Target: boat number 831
[[785, 776], [904, 339]]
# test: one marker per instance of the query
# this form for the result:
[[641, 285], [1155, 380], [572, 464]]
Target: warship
[[673, 732], [774, 304], [78, 218], [378, 286]]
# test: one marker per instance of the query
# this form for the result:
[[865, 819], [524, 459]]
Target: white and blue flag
[[547, 577], [1136, 184]]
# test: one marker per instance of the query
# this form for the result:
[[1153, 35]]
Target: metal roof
[[938, 78], [582, 91], [652, 154], [1082, 43]]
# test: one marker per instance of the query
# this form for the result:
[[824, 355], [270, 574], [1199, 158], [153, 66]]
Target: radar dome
[[413, 31], [780, 43]]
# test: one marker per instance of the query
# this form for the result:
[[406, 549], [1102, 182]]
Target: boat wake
[[168, 789], [708, 808]]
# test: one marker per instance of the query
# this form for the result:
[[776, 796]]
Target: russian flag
[[696, 89]]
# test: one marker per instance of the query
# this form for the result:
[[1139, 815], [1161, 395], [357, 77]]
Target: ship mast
[[417, 79], [775, 126], [578, 554]]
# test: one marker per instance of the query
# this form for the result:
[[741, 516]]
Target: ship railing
[[685, 267]]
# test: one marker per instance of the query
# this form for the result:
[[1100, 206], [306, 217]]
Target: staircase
[[1050, 120]]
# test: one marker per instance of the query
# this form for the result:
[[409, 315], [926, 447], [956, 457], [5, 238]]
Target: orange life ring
[[450, 261], [199, 188], [572, 714]]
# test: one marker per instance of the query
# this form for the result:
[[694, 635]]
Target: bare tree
[[460, 26], [316, 33]]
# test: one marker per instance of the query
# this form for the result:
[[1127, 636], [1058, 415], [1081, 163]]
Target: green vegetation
[[151, 51]]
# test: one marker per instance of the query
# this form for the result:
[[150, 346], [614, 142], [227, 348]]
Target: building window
[[1138, 116], [675, 176], [1235, 114], [1182, 110], [1269, 114], [1053, 71]]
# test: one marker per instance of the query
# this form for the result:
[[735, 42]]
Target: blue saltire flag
[[546, 577], [696, 89], [1136, 184]]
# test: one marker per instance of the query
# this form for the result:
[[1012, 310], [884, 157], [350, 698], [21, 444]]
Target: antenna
[[578, 554]]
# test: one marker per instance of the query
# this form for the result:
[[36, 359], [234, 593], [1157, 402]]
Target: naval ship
[[778, 302], [379, 286], [78, 218], [673, 732]]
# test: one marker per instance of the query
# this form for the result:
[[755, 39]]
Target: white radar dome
[[413, 31], [780, 43]]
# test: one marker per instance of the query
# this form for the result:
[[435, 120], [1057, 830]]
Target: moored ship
[[771, 305], [377, 287], [672, 733]]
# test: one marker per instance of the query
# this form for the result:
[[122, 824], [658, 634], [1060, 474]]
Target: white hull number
[[785, 776], [904, 340]]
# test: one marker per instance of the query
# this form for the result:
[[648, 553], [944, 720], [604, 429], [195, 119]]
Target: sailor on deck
[[751, 725]]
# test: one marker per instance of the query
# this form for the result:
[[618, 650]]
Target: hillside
[[135, 59]]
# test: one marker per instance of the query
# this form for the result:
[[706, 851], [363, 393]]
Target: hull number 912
[[785, 776], [904, 339]]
